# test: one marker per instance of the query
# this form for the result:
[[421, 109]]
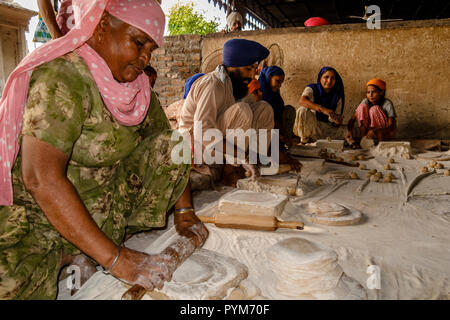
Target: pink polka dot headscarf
[[127, 102]]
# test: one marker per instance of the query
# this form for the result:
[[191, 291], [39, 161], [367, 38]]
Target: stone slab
[[394, 144], [336, 145], [304, 151], [280, 184], [243, 202]]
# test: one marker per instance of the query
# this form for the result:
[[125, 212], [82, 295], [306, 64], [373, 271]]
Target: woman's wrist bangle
[[184, 210], [107, 270]]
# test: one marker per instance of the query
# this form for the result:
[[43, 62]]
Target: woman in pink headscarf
[[85, 155]]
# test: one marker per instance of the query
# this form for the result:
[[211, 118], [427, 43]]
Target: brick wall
[[179, 59]]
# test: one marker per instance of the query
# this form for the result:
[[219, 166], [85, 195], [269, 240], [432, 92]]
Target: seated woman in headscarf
[[271, 79], [86, 155], [319, 104], [375, 115]]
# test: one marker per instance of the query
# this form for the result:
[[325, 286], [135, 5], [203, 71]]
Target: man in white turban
[[235, 21]]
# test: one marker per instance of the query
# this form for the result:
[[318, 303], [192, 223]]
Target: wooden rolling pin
[[344, 163], [251, 222], [180, 250]]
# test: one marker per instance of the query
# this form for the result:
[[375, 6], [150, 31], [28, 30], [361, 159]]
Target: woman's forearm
[[48, 15], [185, 201], [305, 102], [43, 171], [65, 211]]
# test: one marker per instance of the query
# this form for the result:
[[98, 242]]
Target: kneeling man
[[213, 101]]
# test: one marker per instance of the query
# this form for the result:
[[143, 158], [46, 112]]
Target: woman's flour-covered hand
[[148, 270], [187, 224]]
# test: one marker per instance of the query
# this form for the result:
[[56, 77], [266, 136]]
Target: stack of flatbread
[[305, 270]]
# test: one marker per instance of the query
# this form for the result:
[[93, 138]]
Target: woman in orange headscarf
[[375, 115]]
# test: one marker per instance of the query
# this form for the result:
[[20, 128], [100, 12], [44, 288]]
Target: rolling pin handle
[[207, 219], [136, 292], [291, 225]]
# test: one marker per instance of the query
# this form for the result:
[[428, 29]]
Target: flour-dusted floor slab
[[411, 267], [248, 203]]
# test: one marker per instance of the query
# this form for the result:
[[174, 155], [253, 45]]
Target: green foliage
[[184, 20]]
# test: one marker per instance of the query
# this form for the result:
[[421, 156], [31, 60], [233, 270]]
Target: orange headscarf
[[377, 82], [253, 85]]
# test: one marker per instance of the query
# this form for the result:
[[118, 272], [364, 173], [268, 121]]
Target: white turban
[[233, 17]]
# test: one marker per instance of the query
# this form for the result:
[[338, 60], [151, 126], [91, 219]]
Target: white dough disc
[[327, 209], [332, 218]]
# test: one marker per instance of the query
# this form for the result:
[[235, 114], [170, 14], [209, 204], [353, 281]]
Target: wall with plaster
[[411, 56]]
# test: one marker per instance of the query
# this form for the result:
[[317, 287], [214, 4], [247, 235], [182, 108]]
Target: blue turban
[[242, 52], [189, 82], [273, 98]]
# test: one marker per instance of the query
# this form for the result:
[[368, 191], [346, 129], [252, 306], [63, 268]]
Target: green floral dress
[[124, 175]]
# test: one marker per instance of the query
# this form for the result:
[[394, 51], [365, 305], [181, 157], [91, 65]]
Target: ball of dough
[[387, 179], [432, 164], [236, 294], [424, 169], [379, 175], [406, 155], [292, 191], [390, 160], [387, 167], [391, 176], [353, 175], [373, 171]]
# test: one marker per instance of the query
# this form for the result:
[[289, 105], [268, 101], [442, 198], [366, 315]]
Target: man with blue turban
[[214, 100]]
